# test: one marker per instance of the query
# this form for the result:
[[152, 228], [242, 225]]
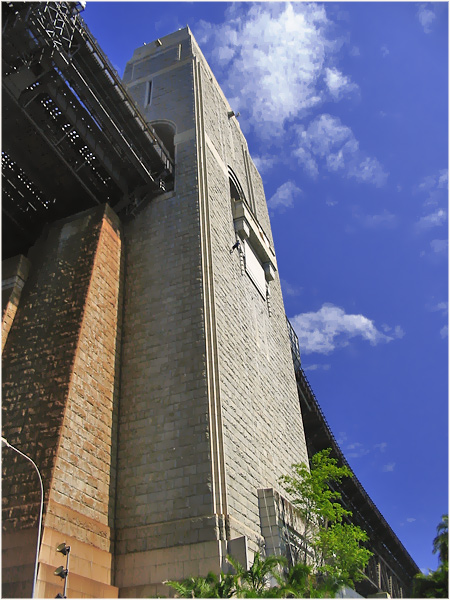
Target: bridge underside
[[390, 569], [72, 136]]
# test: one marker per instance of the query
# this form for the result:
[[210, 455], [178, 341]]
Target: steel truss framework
[[391, 569], [72, 135]]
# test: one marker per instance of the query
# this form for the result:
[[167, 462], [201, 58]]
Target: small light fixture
[[61, 572], [63, 549], [158, 42], [231, 113]]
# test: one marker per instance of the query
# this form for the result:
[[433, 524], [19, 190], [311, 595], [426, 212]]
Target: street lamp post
[[36, 562]]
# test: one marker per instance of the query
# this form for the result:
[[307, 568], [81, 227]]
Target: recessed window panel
[[254, 269]]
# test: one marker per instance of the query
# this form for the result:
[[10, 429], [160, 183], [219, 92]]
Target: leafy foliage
[[440, 542], [316, 502], [244, 583], [435, 584], [329, 543], [210, 586], [331, 552]]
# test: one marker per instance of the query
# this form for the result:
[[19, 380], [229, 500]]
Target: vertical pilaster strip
[[215, 413], [251, 197]]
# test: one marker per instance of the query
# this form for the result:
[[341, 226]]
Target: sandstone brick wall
[[59, 399], [262, 425], [14, 274]]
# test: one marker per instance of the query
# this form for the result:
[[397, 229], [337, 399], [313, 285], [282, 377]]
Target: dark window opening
[[166, 133]]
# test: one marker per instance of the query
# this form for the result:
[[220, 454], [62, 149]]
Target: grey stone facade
[[209, 411]]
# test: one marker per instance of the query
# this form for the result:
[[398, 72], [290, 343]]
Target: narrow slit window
[[148, 100]]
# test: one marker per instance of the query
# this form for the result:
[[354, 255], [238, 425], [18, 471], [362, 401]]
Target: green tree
[[440, 542], [331, 551], [315, 501], [435, 583], [330, 545], [344, 560]]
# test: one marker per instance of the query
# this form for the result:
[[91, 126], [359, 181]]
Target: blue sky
[[344, 106]]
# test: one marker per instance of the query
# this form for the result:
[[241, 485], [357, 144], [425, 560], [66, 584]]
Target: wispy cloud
[[285, 196], [434, 219], [426, 16], [285, 48], [434, 190], [290, 51], [381, 446], [328, 143], [439, 246], [441, 307], [356, 450], [397, 331], [384, 51], [265, 163], [388, 468], [384, 220], [330, 327], [290, 290], [338, 84], [435, 187], [317, 367]]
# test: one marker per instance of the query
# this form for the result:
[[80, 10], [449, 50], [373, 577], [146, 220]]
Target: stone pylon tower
[[147, 366], [209, 413]]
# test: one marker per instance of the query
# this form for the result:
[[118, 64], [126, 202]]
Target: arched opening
[[236, 192], [166, 133]]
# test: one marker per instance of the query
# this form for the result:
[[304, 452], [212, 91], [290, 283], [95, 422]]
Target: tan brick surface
[[62, 409]]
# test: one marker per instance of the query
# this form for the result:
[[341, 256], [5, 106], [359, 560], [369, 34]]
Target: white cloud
[[330, 327], [285, 196], [383, 220], [316, 367], [384, 51], [381, 446], [290, 290], [356, 450], [355, 51], [440, 307], [327, 139], [435, 187], [306, 159], [342, 438], [338, 84], [435, 219], [388, 468], [265, 163], [272, 59], [398, 332], [411, 519], [426, 16], [276, 62], [439, 246]]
